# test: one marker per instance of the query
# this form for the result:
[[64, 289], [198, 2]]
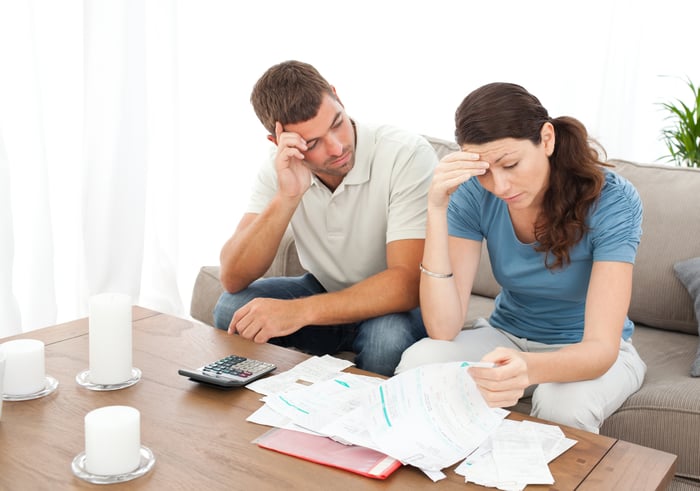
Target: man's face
[[330, 141]]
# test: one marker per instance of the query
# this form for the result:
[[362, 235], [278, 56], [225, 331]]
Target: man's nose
[[334, 146]]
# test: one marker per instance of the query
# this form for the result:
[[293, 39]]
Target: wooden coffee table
[[201, 439]]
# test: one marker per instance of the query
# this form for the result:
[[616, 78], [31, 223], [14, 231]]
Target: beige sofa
[[665, 412]]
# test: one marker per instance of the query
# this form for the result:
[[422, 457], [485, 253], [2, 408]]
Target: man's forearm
[[252, 248], [393, 290]]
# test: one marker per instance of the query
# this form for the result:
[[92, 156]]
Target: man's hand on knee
[[265, 318]]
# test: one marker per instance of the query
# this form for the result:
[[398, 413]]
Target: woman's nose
[[501, 184]]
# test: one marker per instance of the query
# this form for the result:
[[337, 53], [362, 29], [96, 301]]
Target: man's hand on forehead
[[289, 145]]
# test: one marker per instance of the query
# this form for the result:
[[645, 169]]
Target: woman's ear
[[548, 138]]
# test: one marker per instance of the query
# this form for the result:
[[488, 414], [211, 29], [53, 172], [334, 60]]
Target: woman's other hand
[[505, 384]]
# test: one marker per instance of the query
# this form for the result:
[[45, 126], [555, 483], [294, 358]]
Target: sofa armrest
[[205, 294]]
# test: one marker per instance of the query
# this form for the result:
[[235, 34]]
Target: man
[[355, 198]]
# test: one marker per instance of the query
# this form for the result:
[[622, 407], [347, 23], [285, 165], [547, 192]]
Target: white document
[[519, 457], [429, 417], [266, 416], [510, 470], [320, 404], [314, 369], [319, 368], [553, 441]]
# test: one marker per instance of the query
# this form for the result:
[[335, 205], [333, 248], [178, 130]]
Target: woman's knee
[[566, 404], [427, 351]]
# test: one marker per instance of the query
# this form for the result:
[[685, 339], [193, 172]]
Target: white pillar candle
[[110, 338], [112, 440], [24, 367]]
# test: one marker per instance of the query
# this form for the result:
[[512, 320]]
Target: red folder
[[323, 450]]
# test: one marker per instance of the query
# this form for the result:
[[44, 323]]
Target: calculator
[[230, 371]]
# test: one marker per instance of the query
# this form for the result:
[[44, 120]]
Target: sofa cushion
[[665, 412], [286, 262], [670, 233], [688, 272], [442, 147]]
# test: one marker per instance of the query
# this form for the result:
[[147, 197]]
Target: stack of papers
[[430, 417], [515, 455]]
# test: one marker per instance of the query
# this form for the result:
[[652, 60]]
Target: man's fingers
[[278, 130], [288, 139]]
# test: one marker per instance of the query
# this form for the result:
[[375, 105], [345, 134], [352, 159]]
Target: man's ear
[[548, 137], [272, 139]]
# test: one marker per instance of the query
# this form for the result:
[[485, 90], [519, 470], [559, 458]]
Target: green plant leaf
[[682, 135]]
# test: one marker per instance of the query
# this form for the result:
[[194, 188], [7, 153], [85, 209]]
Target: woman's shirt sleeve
[[616, 221]]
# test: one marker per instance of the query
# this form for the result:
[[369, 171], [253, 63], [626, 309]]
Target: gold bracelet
[[434, 275]]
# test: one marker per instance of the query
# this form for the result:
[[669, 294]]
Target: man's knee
[[381, 341], [221, 315], [225, 307]]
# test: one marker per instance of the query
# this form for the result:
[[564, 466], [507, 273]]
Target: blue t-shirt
[[537, 303]]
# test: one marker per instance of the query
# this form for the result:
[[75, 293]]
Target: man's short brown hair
[[289, 92]]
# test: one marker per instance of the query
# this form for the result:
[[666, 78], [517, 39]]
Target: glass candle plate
[[51, 385], [83, 379], [145, 465]]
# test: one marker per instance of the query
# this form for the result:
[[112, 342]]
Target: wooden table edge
[[658, 468], [75, 328]]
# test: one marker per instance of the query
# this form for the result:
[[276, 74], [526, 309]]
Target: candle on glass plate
[[24, 367], [112, 440], [110, 338]]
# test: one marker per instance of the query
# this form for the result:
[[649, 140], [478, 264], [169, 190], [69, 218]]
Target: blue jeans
[[378, 343]]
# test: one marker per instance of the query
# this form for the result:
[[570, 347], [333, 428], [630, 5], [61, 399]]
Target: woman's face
[[518, 170]]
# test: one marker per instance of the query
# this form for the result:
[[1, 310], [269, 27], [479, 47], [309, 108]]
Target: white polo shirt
[[341, 236]]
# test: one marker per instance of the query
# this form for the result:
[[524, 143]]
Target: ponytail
[[575, 183]]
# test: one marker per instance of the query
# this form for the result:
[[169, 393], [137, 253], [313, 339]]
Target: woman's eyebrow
[[502, 157]]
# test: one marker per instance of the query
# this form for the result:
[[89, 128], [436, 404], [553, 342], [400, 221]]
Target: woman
[[562, 233]]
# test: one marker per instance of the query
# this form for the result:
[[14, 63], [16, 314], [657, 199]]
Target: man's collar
[[363, 146]]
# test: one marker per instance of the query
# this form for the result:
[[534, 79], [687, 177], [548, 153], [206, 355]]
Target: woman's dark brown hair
[[502, 110]]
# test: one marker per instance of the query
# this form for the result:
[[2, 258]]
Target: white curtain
[[128, 144], [131, 172]]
